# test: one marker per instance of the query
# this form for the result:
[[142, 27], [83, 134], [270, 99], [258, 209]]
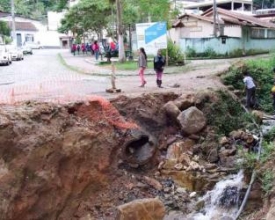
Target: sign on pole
[[152, 36]]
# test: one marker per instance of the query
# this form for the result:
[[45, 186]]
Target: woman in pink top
[[142, 64]]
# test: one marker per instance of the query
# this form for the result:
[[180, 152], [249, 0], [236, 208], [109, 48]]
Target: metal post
[[215, 18], [13, 24]]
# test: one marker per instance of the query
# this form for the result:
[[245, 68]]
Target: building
[[241, 6], [34, 31], [234, 31]]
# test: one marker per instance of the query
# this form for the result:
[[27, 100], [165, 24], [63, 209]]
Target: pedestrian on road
[[142, 64], [159, 63], [273, 96], [74, 49], [83, 48], [78, 48], [250, 89], [96, 49]]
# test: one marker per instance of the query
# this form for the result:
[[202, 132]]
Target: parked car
[[15, 53], [27, 50], [5, 57], [33, 45]]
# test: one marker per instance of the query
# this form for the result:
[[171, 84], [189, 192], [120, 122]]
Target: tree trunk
[[121, 51]]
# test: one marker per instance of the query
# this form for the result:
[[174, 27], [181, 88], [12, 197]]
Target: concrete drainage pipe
[[139, 149]]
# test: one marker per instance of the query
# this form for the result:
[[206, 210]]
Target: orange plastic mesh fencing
[[47, 92]]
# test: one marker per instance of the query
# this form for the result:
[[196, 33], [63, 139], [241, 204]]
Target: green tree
[[88, 15], [4, 28]]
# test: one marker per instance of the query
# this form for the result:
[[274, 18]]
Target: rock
[[250, 139], [171, 110], [178, 166], [185, 101], [169, 164], [258, 116], [181, 190], [174, 151], [153, 182], [227, 161], [200, 205], [141, 209], [236, 134], [213, 156], [224, 141], [142, 185], [210, 166], [227, 152], [185, 159], [192, 120], [192, 194], [186, 179]]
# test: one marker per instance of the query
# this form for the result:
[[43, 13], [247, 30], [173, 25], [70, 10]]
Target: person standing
[[96, 49], [142, 64], [74, 49], [250, 89], [159, 63], [273, 96]]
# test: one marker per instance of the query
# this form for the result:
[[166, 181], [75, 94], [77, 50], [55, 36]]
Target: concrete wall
[[200, 45]]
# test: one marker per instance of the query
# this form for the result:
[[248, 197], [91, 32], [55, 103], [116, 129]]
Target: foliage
[[267, 181], [7, 40], [29, 8], [88, 15], [270, 136], [262, 72], [4, 28], [225, 114], [175, 54]]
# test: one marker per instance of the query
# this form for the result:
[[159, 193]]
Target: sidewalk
[[88, 65]]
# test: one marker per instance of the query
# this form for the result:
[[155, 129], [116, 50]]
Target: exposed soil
[[82, 160]]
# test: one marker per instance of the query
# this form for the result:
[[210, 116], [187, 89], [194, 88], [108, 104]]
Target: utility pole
[[14, 40], [215, 18]]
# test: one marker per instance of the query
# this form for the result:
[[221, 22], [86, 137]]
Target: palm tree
[[119, 30]]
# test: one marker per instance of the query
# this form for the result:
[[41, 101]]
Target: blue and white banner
[[152, 36]]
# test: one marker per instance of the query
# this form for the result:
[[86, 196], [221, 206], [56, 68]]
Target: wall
[[200, 45], [194, 28]]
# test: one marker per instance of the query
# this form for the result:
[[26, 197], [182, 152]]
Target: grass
[[128, 65], [63, 62]]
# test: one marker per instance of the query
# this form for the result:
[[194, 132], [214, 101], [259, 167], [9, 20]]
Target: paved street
[[42, 75]]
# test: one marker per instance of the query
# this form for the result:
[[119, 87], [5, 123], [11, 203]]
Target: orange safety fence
[[62, 92]]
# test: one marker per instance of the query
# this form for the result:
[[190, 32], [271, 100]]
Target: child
[[159, 63], [273, 95]]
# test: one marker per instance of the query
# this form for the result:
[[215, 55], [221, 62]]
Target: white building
[[35, 31]]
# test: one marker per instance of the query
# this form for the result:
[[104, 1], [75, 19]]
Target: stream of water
[[222, 202]]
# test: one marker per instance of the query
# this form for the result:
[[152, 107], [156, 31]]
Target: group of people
[[159, 63], [250, 88], [85, 48]]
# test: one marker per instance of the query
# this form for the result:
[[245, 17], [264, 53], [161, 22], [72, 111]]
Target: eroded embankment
[[80, 161]]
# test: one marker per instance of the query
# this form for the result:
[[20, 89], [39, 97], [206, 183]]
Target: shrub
[[225, 114], [175, 54], [267, 181], [191, 52], [261, 71]]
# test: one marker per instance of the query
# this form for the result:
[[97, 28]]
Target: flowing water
[[223, 201]]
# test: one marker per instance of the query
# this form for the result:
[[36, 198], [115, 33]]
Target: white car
[[15, 53], [33, 45], [5, 57]]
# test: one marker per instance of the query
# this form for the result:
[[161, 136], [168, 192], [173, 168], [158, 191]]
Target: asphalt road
[[43, 75]]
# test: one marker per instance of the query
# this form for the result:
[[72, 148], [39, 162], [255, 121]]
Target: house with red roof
[[234, 31]]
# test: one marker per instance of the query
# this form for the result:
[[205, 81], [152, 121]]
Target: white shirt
[[248, 81]]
